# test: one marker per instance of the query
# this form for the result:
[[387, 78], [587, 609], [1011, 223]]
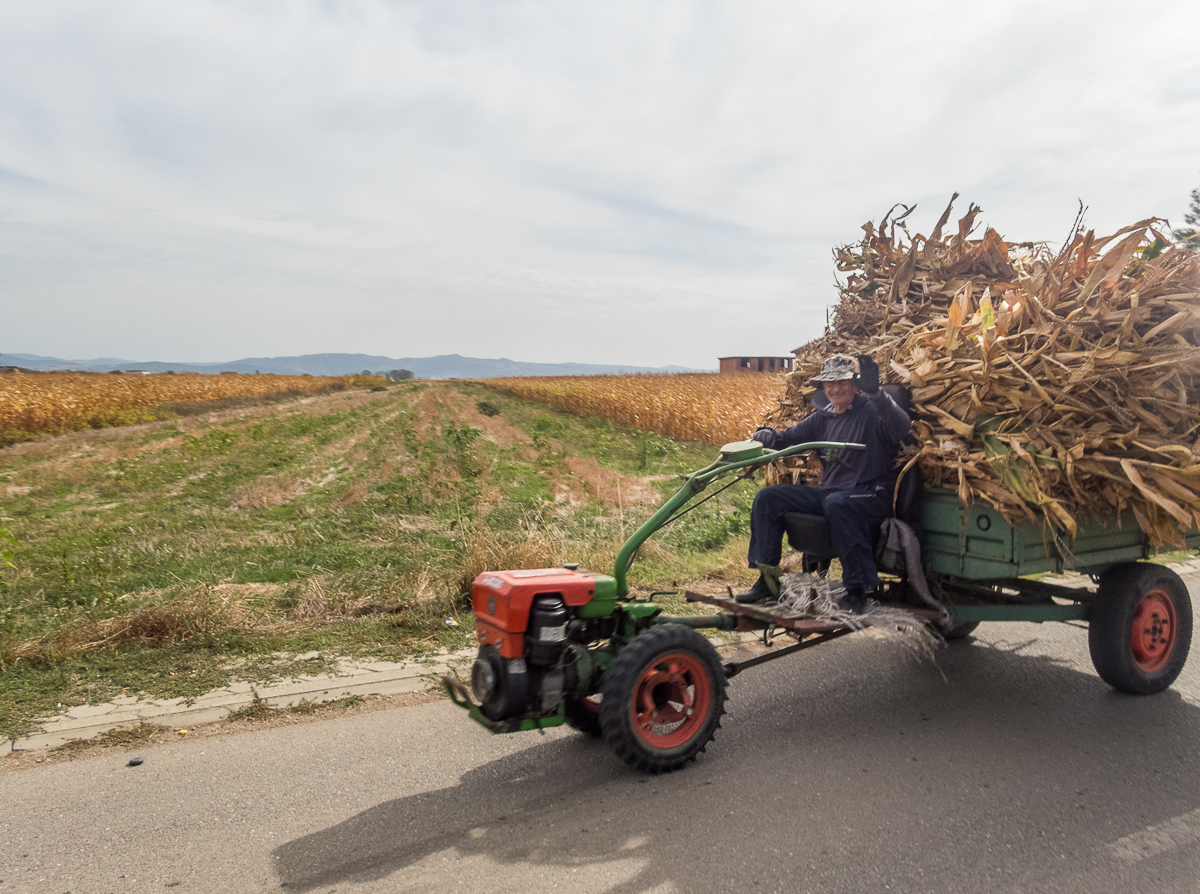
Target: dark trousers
[[854, 518]]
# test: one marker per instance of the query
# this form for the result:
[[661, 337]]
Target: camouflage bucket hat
[[837, 368]]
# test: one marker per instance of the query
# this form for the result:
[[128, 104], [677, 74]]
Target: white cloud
[[623, 182]]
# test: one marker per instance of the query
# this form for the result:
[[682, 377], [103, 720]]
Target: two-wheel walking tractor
[[567, 645]]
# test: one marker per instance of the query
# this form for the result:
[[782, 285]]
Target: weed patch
[[133, 737], [256, 710]]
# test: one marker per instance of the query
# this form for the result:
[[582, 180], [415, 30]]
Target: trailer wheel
[[664, 695], [583, 714], [1140, 628]]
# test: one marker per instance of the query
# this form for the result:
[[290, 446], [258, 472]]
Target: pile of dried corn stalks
[[1050, 385]]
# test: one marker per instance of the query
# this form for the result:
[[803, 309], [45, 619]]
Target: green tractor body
[[566, 645]]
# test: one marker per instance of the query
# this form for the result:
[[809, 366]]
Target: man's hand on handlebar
[[766, 436]]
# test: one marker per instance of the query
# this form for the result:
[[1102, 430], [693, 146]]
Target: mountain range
[[444, 366]]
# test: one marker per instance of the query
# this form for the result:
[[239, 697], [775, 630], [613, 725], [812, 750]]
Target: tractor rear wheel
[[1140, 628], [664, 695]]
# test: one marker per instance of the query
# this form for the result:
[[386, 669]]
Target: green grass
[[259, 709], [171, 558]]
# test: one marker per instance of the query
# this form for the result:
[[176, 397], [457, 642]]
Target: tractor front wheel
[[1140, 627], [664, 695]]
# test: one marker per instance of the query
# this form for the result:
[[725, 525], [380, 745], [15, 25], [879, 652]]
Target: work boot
[[854, 600], [760, 592]]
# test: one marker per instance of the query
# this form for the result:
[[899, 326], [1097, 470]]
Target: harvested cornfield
[[706, 407], [39, 404], [1048, 383]]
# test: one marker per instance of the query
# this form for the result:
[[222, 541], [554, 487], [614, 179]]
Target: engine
[[533, 628]]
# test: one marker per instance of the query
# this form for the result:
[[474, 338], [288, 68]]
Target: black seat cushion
[[809, 534]]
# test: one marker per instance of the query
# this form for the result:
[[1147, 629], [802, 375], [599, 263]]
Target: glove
[[765, 436], [868, 375]]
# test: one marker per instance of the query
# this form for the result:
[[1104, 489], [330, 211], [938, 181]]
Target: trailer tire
[[1140, 627], [583, 714], [664, 695]]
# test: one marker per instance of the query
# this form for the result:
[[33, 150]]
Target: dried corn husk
[[1048, 384], [816, 596]]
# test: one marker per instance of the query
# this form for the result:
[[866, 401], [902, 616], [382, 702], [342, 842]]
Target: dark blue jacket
[[876, 421]]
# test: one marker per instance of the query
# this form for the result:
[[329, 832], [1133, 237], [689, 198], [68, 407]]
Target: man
[[855, 494]]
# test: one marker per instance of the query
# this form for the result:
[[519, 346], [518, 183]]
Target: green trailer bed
[[977, 544]]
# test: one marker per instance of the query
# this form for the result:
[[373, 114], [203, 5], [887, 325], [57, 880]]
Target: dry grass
[[122, 737], [463, 409], [492, 550], [268, 493], [188, 613], [177, 616], [612, 488], [354, 495]]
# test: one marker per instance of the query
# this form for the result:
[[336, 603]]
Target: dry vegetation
[[1048, 383], [35, 405], [180, 614], [706, 407]]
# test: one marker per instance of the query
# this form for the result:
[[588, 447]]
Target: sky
[[638, 183]]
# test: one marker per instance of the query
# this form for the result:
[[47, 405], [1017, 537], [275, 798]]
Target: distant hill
[[445, 366]]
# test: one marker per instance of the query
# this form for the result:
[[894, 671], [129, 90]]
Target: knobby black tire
[[1111, 626], [583, 718], [624, 676]]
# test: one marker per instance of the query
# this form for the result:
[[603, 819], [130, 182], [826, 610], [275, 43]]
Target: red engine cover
[[501, 602]]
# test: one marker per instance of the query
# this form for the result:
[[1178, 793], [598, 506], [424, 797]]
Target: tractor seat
[[809, 534]]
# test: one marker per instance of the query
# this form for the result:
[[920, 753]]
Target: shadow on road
[[851, 771]]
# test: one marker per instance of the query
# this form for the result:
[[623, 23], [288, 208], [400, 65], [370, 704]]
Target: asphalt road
[[851, 767]]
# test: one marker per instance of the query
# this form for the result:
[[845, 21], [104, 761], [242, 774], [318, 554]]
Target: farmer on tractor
[[855, 493]]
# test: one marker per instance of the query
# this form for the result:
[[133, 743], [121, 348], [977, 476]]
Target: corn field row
[[707, 407], [52, 403]]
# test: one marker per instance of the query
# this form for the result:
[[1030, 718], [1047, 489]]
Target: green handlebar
[[734, 458]]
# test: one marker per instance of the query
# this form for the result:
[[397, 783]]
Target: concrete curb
[[354, 678]]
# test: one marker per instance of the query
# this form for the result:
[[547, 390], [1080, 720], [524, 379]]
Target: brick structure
[[756, 364]]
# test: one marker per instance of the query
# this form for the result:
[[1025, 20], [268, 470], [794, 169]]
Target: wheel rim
[[1153, 632], [670, 701]]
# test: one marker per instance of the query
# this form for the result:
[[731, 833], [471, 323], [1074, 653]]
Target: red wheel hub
[[1152, 638], [670, 700]]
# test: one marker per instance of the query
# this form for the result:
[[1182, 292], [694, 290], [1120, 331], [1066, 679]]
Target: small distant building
[[756, 364]]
